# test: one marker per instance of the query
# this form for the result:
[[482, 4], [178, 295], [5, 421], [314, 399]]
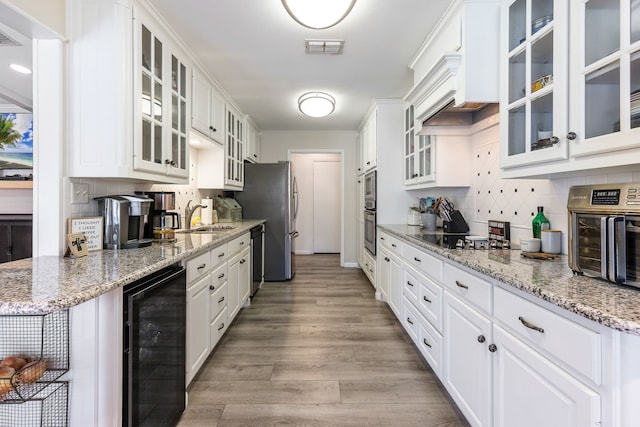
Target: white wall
[[16, 201], [276, 145], [303, 167]]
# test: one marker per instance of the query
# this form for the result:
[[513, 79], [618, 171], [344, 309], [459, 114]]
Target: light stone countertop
[[45, 284], [614, 306]]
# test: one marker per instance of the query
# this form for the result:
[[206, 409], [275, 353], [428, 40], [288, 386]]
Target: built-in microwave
[[604, 232], [370, 190]]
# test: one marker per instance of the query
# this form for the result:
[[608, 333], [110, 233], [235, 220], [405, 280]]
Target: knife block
[[456, 225]]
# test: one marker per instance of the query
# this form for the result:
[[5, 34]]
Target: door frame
[[339, 151]]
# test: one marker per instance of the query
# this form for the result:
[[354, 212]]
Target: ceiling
[[16, 93], [256, 52]]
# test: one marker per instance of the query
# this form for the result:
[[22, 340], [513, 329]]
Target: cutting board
[[537, 255]]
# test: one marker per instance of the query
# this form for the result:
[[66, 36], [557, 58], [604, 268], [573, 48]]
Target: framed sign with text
[[91, 227]]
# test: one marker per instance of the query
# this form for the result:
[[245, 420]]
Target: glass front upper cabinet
[[534, 52]]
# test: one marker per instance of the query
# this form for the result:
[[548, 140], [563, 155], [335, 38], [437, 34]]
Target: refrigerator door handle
[[295, 197], [294, 234]]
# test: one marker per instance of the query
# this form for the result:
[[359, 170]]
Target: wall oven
[[370, 231], [370, 190], [604, 232]]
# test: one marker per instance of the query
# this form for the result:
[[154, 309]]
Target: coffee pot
[[161, 223]]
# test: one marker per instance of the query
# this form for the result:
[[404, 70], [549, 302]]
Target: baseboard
[[351, 265], [304, 252]]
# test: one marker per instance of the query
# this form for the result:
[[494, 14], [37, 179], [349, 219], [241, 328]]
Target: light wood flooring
[[318, 351]]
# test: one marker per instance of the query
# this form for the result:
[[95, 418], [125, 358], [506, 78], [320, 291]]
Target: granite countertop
[[45, 284], [614, 306]]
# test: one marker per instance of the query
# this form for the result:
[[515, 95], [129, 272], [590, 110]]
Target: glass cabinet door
[[409, 147], [534, 51], [152, 105], [425, 156], [234, 173], [177, 161], [606, 77]]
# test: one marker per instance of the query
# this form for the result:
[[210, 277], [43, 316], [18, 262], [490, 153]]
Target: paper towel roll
[[206, 214]]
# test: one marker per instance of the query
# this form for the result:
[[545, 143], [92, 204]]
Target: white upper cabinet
[[252, 142], [565, 101], [207, 108], [130, 96], [234, 165], [369, 143]]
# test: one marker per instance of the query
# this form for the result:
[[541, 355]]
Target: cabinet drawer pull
[[393, 245], [426, 299], [221, 255], [381, 238], [221, 300], [417, 259], [200, 267], [530, 325], [242, 243], [213, 288], [387, 259], [425, 342], [221, 276], [409, 283], [409, 320], [461, 285], [242, 261], [221, 327]]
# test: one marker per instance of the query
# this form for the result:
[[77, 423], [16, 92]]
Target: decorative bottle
[[539, 223]]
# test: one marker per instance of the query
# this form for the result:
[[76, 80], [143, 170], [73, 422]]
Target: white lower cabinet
[[505, 359], [218, 285], [467, 364], [531, 391]]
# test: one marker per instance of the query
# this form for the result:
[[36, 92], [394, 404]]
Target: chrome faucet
[[188, 213]]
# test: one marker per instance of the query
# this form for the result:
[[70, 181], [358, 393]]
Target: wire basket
[[43, 339], [45, 409]]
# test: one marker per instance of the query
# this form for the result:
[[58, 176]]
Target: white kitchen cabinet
[[468, 362], [207, 108], [390, 280], [130, 97], [569, 103], [369, 267], [529, 390], [418, 159], [252, 142], [368, 142], [197, 325], [239, 283]]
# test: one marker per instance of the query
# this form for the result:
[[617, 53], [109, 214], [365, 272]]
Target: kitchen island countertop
[[42, 285], [611, 305]]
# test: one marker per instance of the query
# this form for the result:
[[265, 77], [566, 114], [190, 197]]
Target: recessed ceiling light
[[318, 14], [316, 104], [20, 68]]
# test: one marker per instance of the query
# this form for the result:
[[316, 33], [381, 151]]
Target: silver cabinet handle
[[530, 325], [426, 299], [461, 285], [425, 342]]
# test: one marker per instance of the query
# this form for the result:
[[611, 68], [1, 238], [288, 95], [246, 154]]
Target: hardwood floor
[[318, 351]]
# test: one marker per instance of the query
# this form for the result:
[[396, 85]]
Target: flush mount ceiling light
[[316, 104], [318, 14], [20, 68]]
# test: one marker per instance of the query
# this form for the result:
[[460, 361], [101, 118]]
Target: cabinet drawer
[[410, 320], [198, 266], [578, 347], [423, 262], [411, 286], [239, 243], [430, 345], [468, 287], [393, 244], [219, 276], [217, 301], [429, 300], [370, 268], [218, 327], [219, 254]]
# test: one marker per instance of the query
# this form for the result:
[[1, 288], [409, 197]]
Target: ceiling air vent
[[5, 40], [331, 47]]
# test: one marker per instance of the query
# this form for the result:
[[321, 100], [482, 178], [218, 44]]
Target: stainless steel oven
[[370, 190], [370, 231], [604, 232]]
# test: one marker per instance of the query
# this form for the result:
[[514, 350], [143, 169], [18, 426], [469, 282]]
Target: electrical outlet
[[79, 192]]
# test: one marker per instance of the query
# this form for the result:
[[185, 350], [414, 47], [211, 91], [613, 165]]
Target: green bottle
[[539, 223]]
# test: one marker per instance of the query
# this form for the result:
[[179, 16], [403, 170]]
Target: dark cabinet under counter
[[16, 237]]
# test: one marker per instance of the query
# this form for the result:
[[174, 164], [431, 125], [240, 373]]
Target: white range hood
[[457, 68]]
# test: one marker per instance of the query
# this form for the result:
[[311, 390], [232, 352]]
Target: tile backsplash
[[515, 200]]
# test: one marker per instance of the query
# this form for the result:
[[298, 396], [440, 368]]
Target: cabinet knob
[[571, 136], [368, 163], [555, 139], [481, 338], [393, 245], [255, 155], [415, 175], [493, 348], [212, 129], [170, 162], [242, 261], [212, 287], [387, 259]]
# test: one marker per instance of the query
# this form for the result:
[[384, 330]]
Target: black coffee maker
[[161, 222]]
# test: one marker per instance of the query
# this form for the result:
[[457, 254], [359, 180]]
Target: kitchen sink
[[208, 229]]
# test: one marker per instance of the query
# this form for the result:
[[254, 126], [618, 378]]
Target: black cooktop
[[444, 240]]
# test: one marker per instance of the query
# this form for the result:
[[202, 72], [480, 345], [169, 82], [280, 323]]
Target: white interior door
[[326, 207]]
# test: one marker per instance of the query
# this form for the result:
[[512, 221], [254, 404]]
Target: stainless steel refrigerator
[[270, 192]]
